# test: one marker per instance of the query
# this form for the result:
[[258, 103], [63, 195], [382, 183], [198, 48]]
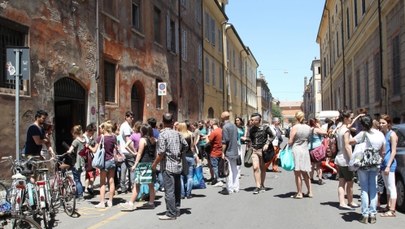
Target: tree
[[276, 111]]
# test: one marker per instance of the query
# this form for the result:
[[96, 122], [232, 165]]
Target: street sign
[[162, 89], [24, 60]]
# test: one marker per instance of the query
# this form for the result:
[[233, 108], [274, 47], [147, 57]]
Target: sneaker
[[345, 207], [100, 205], [262, 189], [373, 220], [219, 184], [127, 206], [364, 219], [256, 191], [109, 203], [90, 191], [224, 192], [165, 217], [353, 205], [148, 205]]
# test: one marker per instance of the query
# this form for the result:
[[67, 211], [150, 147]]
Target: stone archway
[[173, 110], [137, 100], [70, 110]]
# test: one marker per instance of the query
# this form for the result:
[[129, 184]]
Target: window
[[377, 77], [109, 6], [199, 57], [213, 73], [221, 78], [358, 88], [136, 16], [158, 97], [184, 45], [207, 70], [355, 12], [156, 24], [366, 89], [212, 31], [363, 6], [219, 40], [172, 36], [109, 82], [11, 34], [207, 26], [396, 66], [348, 23]]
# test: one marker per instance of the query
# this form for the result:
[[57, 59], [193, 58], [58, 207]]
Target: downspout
[[343, 56], [330, 61], [224, 65], [180, 92], [242, 102], [228, 76], [381, 57], [97, 76], [202, 63]]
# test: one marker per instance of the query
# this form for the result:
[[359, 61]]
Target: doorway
[[70, 110], [137, 100]]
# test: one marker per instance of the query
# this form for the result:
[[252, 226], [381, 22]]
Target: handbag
[[99, 156], [223, 168], [287, 159], [238, 160], [247, 160], [198, 178], [319, 153], [371, 156], [268, 154]]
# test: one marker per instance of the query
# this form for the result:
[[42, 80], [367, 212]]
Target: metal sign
[[24, 62], [162, 89]]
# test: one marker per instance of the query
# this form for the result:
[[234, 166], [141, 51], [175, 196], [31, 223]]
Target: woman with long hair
[[389, 164], [299, 136], [109, 142], [143, 168], [317, 135], [187, 181], [75, 161], [368, 175]]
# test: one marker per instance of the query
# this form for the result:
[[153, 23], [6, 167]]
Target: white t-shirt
[[342, 158], [376, 138], [125, 131]]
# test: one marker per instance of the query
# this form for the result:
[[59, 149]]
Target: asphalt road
[[209, 209]]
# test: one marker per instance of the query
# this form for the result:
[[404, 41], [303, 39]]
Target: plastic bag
[[287, 159]]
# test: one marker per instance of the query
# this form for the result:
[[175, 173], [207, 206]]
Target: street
[[209, 209]]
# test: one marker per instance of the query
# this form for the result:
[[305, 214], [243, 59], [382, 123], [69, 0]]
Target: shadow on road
[[331, 203], [251, 189], [350, 216], [182, 211], [285, 195]]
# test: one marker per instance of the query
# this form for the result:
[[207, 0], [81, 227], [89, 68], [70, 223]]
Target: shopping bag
[[198, 178], [287, 159]]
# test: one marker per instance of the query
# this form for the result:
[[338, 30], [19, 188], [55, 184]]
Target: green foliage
[[276, 111]]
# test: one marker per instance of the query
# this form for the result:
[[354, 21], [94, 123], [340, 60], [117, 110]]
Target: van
[[322, 115]]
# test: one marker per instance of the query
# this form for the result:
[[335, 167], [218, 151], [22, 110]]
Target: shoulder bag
[[99, 156]]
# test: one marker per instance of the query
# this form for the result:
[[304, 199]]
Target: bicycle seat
[[18, 176], [64, 166]]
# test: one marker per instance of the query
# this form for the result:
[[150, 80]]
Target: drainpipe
[[97, 76], [180, 90], [228, 76], [224, 65], [243, 102], [343, 56], [381, 58], [330, 61]]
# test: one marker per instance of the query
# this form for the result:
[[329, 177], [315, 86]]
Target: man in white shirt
[[123, 138]]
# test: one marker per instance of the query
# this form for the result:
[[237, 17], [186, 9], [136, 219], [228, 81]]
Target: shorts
[[345, 173], [92, 174], [143, 173], [108, 165]]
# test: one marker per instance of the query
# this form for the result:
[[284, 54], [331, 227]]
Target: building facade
[[362, 50], [312, 97], [264, 99]]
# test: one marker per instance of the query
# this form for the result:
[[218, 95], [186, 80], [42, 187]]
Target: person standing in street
[[276, 144], [215, 140], [123, 138], [260, 137], [230, 151], [36, 135], [169, 148]]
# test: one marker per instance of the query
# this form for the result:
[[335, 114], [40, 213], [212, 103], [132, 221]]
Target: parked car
[[400, 171]]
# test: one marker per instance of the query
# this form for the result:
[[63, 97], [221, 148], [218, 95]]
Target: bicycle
[[63, 187], [9, 220]]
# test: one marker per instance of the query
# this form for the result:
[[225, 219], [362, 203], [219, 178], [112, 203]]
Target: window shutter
[[168, 35], [176, 30]]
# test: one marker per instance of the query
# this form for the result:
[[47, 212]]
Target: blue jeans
[[172, 186], [214, 164], [368, 184], [76, 177], [187, 181]]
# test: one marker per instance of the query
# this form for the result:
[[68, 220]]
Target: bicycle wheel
[[69, 196], [3, 193], [18, 221]]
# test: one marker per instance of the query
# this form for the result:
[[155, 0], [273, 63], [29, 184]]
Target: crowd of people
[[163, 158]]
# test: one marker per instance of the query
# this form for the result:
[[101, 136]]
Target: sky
[[282, 37]]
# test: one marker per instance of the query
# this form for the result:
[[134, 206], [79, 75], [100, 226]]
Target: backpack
[[332, 148]]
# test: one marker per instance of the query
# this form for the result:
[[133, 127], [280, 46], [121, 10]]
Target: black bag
[[238, 160], [248, 158], [223, 168], [184, 165], [268, 154]]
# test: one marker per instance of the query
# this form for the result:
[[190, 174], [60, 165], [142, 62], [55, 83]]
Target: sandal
[[296, 196], [309, 195], [383, 210], [389, 213]]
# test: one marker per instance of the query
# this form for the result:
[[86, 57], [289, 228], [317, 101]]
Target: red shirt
[[215, 139]]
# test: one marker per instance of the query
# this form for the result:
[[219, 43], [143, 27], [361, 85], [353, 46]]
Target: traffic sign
[[162, 88], [24, 62]]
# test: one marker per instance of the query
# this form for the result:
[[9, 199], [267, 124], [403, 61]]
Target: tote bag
[[287, 159], [98, 160]]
